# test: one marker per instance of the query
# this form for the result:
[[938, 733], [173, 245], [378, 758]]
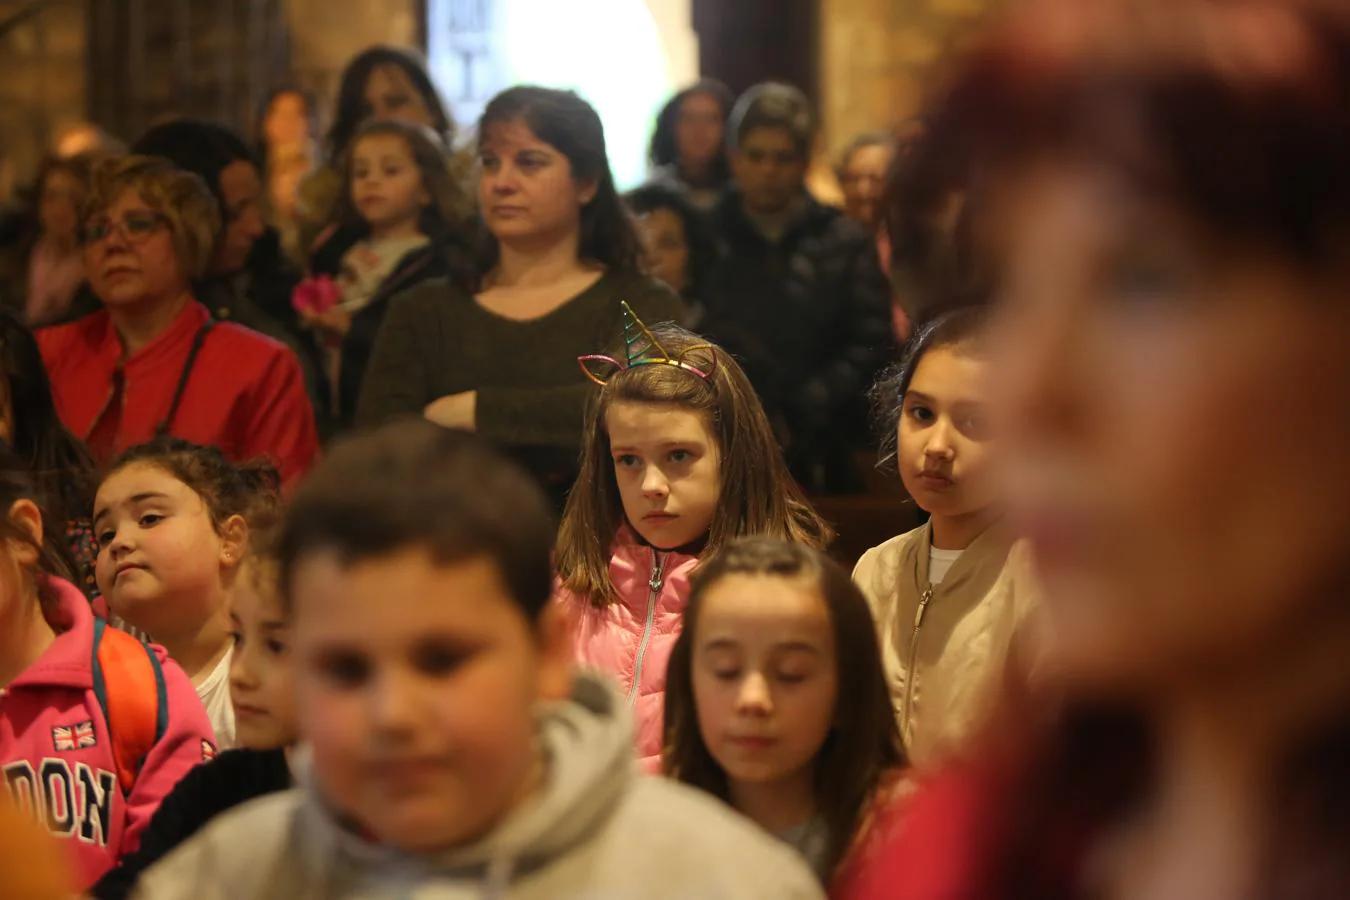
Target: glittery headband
[[641, 348]]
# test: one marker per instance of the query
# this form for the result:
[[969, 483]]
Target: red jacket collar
[[68, 662], [166, 348]]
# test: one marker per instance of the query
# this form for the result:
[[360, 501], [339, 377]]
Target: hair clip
[[641, 348]]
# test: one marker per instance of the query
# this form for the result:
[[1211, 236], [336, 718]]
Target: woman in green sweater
[[559, 256]]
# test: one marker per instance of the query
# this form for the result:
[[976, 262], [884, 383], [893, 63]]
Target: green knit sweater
[[437, 340]]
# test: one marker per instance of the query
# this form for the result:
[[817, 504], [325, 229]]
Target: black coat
[[229, 780], [809, 316], [422, 264]]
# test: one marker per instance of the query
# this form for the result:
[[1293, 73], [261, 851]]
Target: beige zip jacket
[[945, 647]]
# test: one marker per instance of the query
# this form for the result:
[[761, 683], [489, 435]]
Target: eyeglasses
[[135, 228]]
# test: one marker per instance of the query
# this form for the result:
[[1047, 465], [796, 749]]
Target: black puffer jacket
[[809, 316]]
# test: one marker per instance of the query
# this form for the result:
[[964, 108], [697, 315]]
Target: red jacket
[[245, 393]]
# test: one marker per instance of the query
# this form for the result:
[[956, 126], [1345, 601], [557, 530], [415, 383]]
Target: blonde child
[[678, 459], [172, 519], [263, 696], [95, 727], [401, 222], [777, 703], [948, 596], [452, 750]]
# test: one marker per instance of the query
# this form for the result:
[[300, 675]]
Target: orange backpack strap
[[129, 685]]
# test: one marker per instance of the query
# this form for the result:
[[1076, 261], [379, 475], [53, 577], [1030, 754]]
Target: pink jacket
[[631, 639], [56, 755]]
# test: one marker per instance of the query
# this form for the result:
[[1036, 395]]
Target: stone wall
[[41, 85], [875, 55]]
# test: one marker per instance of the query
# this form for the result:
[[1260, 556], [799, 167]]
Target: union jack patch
[[208, 751], [74, 737]]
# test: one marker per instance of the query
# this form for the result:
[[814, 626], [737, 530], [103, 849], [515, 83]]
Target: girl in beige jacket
[[948, 596]]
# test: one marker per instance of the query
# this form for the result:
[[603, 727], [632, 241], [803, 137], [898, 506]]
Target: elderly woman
[[152, 360]]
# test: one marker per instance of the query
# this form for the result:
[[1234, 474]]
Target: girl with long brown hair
[[678, 460], [776, 701], [1166, 216]]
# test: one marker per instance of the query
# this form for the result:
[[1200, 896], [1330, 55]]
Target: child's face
[[418, 684], [943, 443], [262, 685], [665, 246], [159, 558], [764, 677], [667, 468], [386, 183]]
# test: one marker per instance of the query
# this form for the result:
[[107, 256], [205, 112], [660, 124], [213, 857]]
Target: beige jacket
[[944, 655], [596, 830]]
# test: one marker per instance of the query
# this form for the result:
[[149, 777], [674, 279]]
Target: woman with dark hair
[[688, 149], [559, 255], [61, 465], [1165, 208], [380, 83], [678, 245]]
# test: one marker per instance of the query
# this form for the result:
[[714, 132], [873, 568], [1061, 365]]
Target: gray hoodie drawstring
[[497, 884]]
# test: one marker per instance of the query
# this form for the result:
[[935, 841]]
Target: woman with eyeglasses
[[152, 360]]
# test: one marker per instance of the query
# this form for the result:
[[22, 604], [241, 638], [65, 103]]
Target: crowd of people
[[390, 516]]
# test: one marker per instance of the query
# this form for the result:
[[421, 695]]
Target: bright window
[[608, 51]]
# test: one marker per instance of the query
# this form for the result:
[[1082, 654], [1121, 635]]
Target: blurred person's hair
[[772, 105], [182, 198]]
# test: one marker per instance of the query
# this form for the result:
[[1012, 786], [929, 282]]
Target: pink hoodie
[[56, 756], [631, 639]]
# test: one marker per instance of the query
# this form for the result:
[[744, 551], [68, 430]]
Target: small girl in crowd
[[173, 521], [679, 459], [95, 727], [401, 222], [58, 461], [946, 596], [777, 702], [261, 691]]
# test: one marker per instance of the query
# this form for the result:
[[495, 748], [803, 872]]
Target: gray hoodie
[[596, 830]]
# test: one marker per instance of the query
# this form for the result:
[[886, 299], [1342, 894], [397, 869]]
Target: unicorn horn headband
[[641, 348]]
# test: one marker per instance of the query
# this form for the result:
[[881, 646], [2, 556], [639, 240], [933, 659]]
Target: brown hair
[[53, 556], [412, 485], [864, 747], [758, 496], [450, 202], [1236, 115], [250, 489], [181, 197]]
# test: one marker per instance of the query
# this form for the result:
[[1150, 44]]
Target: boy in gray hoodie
[[452, 751]]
